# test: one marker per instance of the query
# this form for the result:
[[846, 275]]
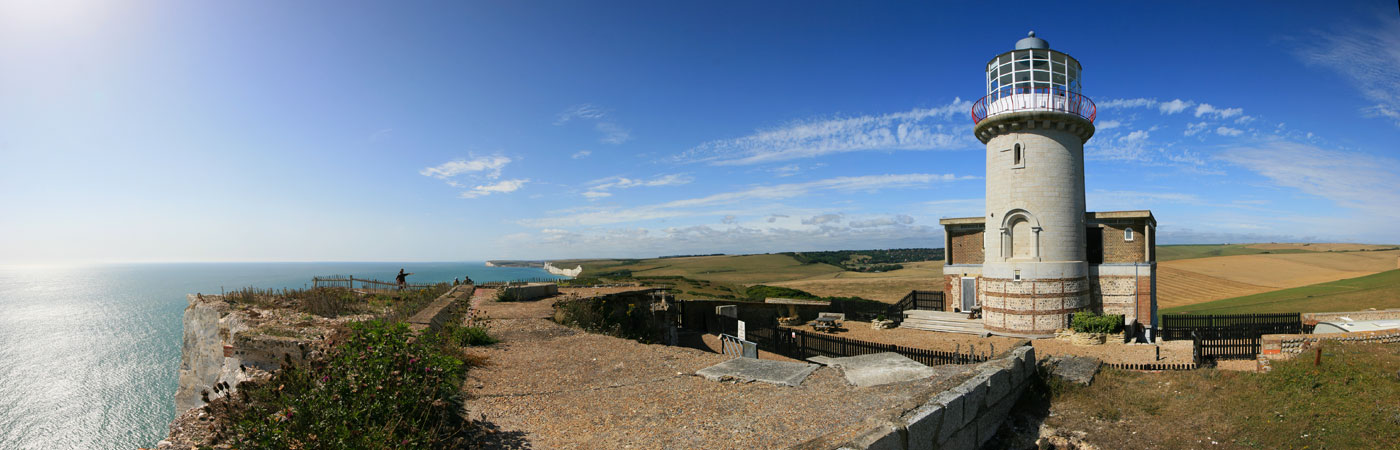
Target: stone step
[[943, 329], [927, 314], [921, 324]]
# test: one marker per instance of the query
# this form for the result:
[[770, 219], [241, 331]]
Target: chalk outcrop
[[574, 272]]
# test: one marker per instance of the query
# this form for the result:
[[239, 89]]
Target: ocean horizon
[[89, 354]]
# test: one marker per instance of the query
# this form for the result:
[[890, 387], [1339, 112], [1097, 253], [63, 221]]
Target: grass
[[1171, 252], [1346, 402], [1380, 291]]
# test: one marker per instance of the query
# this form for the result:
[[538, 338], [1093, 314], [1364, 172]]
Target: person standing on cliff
[[402, 279]]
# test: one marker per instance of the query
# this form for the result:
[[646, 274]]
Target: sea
[[89, 354]]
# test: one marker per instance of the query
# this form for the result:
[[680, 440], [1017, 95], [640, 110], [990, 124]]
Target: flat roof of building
[[1345, 326], [1093, 215]]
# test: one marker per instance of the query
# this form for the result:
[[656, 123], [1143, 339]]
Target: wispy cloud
[[1354, 180], [1368, 55], [901, 219], [599, 188], [581, 154], [504, 186], [917, 129], [611, 131], [697, 205], [822, 219], [489, 166]]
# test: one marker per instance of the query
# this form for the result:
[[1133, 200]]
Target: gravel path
[[550, 386]]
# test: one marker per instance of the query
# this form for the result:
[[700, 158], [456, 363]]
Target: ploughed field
[[1184, 282]]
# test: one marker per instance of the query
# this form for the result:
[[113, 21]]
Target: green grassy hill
[[1380, 291]]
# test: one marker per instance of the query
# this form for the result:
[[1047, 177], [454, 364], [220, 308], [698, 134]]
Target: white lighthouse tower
[[1034, 121], [1035, 256]]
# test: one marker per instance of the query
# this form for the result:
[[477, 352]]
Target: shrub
[[759, 292], [1087, 322], [506, 295], [378, 389], [470, 336]]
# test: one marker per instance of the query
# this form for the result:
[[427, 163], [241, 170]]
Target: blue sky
[[301, 131]]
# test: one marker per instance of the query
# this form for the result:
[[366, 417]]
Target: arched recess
[[1020, 236]]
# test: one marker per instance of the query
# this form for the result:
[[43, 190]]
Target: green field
[[1380, 291], [1171, 252]]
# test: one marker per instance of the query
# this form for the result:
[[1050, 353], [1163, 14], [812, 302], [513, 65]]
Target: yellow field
[[1191, 281]]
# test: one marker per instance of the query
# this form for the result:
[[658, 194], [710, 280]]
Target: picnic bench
[[828, 322]]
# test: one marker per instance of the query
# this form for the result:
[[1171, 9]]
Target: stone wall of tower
[[1049, 184]]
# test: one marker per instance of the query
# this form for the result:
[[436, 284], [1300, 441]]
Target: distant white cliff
[[574, 272]]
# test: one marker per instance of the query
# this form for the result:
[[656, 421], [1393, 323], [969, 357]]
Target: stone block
[[952, 401], [921, 426], [998, 385], [976, 395], [965, 438], [992, 419], [883, 436]]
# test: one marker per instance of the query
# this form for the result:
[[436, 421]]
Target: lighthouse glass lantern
[[1033, 77]]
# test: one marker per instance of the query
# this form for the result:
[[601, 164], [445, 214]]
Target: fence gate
[[733, 346]]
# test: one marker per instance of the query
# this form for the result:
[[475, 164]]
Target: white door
[[969, 293]]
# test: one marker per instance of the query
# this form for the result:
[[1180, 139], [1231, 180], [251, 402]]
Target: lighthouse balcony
[[1033, 99]]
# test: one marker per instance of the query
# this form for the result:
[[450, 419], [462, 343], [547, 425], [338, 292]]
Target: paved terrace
[[551, 386]]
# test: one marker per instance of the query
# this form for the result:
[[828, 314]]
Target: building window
[[1128, 234], [1016, 155]]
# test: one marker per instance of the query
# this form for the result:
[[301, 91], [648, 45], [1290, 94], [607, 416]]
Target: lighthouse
[[1036, 256]]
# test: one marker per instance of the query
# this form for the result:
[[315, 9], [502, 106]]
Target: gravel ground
[[550, 386]]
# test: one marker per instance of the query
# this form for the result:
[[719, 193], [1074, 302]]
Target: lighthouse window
[[1016, 155], [1128, 234]]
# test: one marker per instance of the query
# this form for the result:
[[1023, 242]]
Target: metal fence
[[915, 300], [1181, 326], [1225, 343], [350, 282]]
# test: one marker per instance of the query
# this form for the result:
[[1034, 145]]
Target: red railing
[[1034, 99]]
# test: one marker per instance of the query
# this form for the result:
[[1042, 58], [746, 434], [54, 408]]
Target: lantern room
[[1033, 77]]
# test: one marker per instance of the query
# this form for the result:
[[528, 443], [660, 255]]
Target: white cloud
[[1244, 120], [1367, 54], [596, 194], [1127, 103], [911, 130], [581, 154], [1193, 128], [612, 133], [1135, 136], [1221, 113], [1227, 131], [821, 219], [730, 219], [1176, 106], [505, 186], [736, 239], [1108, 125], [902, 219], [491, 165]]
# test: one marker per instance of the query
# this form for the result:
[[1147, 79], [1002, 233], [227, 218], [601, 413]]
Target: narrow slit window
[[1128, 234], [1016, 158]]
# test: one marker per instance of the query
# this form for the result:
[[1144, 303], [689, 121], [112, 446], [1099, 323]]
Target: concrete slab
[[749, 369], [1074, 369], [823, 360], [880, 368]]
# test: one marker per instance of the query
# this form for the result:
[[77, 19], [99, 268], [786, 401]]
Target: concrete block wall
[[436, 313], [533, 290], [1276, 346], [964, 417]]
